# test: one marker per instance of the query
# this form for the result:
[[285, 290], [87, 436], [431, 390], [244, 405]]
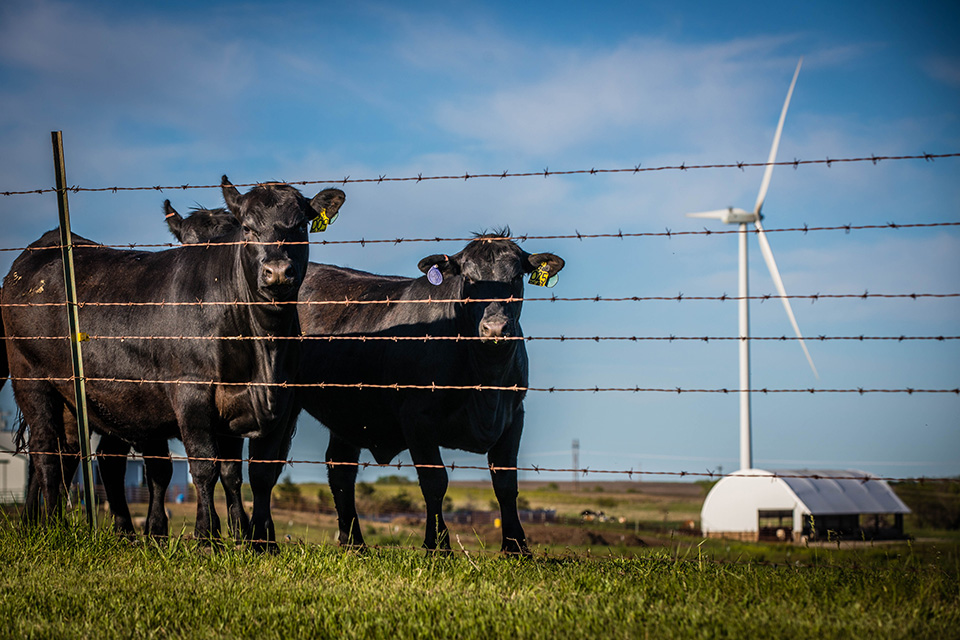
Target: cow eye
[[249, 233]]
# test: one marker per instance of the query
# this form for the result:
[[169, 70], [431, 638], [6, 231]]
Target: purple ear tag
[[434, 275]]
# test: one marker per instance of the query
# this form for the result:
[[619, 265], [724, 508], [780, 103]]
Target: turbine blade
[[768, 172], [717, 214], [778, 281]]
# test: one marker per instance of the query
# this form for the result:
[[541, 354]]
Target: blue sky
[[181, 92]]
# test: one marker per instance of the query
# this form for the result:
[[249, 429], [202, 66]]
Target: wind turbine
[[743, 218]]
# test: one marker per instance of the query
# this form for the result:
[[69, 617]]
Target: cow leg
[[44, 412], [433, 485], [343, 481], [504, 454], [159, 471], [263, 478], [231, 477], [112, 463], [205, 469]]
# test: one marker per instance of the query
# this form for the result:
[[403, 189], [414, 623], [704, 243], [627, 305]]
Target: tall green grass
[[66, 581]]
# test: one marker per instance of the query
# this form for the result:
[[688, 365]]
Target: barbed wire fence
[[631, 473]]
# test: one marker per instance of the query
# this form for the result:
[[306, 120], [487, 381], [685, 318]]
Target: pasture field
[[69, 582], [66, 581]]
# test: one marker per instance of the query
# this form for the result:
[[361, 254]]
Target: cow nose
[[493, 327], [278, 273]]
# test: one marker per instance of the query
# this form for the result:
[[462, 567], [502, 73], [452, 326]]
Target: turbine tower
[[743, 218]]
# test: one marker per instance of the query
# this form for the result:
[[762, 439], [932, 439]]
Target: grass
[[66, 581], [585, 579]]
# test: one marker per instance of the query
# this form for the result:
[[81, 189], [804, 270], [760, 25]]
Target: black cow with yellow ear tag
[[478, 348]]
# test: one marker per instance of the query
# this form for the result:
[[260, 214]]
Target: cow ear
[[174, 220], [329, 199], [551, 263], [231, 196], [445, 264]]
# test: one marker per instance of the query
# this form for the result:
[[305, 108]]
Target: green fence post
[[73, 318]]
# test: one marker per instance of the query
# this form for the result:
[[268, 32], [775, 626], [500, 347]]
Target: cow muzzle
[[494, 328], [278, 277]]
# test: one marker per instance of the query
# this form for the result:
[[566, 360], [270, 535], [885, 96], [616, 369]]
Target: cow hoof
[[271, 547], [513, 549], [354, 548]]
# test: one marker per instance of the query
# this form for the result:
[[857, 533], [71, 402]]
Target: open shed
[[796, 505]]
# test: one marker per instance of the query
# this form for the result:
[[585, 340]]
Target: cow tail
[[20, 439], [4, 365]]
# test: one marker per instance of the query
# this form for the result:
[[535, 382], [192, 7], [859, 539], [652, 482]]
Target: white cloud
[[943, 69], [636, 91]]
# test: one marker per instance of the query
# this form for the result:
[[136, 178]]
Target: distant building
[[135, 482], [802, 505], [13, 470]]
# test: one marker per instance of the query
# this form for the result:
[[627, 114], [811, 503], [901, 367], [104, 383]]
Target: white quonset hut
[[802, 505]]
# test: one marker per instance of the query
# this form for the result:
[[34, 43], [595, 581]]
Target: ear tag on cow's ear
[[542, 278], [322, 221], [434, 275]]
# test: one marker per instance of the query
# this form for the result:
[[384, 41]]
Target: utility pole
[[576, 465]]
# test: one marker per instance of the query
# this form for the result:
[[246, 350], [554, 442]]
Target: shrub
[[289, 495], [399, 503], [394, 479]]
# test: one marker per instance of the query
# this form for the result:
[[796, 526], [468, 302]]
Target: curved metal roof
[[826, 492]]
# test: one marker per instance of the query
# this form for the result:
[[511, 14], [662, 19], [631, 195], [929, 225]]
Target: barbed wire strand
[[866, 295], [477, 387], [583, 472], [668, 233], [334, 338], [927, 157]]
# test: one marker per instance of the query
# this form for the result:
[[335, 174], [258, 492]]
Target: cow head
[[492, 267], [273, 220], [202, 225]]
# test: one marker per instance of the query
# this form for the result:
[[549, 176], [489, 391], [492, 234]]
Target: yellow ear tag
[[322, 221], [83, 337], [542, 278]]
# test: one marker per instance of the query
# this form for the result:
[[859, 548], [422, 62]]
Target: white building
[[754, 504], [13, 470]]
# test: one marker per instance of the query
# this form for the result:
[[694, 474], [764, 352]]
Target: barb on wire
[[466, 467], [438, 387], [381, 178]]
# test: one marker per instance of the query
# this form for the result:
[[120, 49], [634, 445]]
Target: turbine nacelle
[[730, 215]]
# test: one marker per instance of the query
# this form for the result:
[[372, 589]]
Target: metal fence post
[[73, 318]]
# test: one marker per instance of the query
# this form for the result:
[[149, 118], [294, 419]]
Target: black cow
[[202, 225], [389, 421], [206, 389]]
